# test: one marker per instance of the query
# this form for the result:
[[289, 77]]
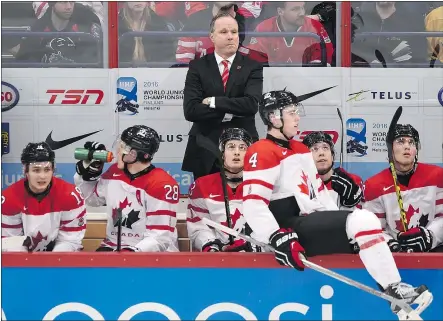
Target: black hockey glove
[[241, 246], [213, 246], [287, 248], [394, 246], [91, 170], [417, 239], [350, 193]]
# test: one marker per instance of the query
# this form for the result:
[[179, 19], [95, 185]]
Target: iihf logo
[[356, 137]]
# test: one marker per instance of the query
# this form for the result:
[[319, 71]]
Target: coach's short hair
[[220, 14]]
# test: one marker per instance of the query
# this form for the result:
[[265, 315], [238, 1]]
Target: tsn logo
[[75, 96], [301, 135]]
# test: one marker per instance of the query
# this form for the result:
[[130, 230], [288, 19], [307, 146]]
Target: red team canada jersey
[[206, 199], [298, 49], [57, 221], [148, 204], [272, 173], [422, 200]]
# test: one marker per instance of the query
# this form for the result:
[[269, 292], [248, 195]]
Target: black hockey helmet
[[276, 100], [142, 139], [234, 134], [407, 130], [319, 136], [37, 152]]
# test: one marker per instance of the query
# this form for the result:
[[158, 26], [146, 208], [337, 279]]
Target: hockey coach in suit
[[222, 90]]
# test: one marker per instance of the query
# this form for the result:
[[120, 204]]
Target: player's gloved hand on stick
[[417, 239], [91, 170], [241, 246], [287, 248], [350, 192], [394, 246], [213, 246]]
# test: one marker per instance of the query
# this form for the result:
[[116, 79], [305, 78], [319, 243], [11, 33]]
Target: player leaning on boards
[[47, 211], [287, 205], [421, 187], [146, 195], [206, 198]]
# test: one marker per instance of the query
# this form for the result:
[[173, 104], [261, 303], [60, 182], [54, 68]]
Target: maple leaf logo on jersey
[[130, 219], [121, 206], [322, 185], [304, 184], [36, 243], [413, 219]]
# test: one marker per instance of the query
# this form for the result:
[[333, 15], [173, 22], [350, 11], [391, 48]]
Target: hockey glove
[[287, 248], [213, 246], [394, 246], [350, 193], [91, 170], [241, 246], [417, 239]]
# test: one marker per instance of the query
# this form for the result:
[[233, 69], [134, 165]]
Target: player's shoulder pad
[[161, 185], [261, 155], [68, 196], [113, 169], [373, 186], [204, 185], [11, 202], [431, 174], [298, 147]]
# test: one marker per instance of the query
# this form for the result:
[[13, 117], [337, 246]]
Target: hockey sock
[[377, 257]]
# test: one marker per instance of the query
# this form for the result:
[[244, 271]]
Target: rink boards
[[196, 286]]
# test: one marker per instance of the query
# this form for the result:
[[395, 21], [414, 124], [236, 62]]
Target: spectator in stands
[[195, 47], [63, 17], [291, 18], [222, 91], [137, 16], [40, 8], [175, 9], [434, 22], [206, 199], [384, 16]]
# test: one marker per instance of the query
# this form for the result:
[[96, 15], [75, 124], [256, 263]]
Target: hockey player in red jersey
[[291, 18], [146, 195], [421, 187], [47, 211], [287, 205], [206, 198], [345, 188]]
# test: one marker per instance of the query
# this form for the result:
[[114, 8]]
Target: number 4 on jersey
[[253, 160]]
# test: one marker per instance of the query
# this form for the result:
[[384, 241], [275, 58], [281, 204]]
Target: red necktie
[[225, 74]]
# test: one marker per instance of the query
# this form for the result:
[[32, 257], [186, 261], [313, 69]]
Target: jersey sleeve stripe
[[160, 227], [439, 215], [255, 197], [258, 182], [161, 212], [197, 209], [73, 229], [83, 213], [439, 201], [4, 225], [380, 215]]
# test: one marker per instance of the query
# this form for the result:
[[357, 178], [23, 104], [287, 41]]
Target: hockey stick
[[342, 137], [207, 144], [434, 56], [411, 314], [389, 142], [380, 58], [119, 229]]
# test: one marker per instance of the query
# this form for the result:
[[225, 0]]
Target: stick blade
[[394, 121]]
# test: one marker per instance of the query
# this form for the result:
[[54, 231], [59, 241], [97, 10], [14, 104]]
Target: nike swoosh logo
[[312, 94], [211, 196], [284, 152], [115, 175], [62, 143], [386, 188]]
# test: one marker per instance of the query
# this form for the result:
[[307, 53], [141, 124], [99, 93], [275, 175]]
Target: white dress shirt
[[221, 68]]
